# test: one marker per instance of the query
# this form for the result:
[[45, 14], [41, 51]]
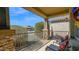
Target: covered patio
[[7, 42]]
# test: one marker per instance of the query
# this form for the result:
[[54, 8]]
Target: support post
[[46, 29], [74, 29], [72, 23]]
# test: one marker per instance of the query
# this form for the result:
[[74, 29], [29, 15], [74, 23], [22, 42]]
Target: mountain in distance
[[19, 29]]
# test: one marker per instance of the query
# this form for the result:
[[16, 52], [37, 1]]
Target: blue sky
[[22, 17]]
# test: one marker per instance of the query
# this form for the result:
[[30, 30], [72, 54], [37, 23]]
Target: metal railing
[[23, 40], [20, 40]]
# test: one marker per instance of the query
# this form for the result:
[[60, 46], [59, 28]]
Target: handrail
[[27, 33]]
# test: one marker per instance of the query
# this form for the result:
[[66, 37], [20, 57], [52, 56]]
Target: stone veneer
[[6, 41], [45, 34]]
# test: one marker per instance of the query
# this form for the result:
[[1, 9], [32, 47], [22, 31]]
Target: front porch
[[10, 41]]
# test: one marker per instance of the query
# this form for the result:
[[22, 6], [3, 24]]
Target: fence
[[23, 40]]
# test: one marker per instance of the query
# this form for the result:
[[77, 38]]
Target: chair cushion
[[52, 48]]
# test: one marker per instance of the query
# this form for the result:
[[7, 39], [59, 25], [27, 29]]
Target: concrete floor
[[44, 47], [36, 46]]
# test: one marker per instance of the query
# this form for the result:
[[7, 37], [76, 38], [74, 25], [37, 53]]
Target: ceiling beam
[[67, 20]]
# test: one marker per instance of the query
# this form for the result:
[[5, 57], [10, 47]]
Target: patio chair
[[62, 46]]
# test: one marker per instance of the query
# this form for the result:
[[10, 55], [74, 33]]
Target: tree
[[39, 26]]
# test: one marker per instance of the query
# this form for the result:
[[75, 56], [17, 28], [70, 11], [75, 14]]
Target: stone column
[[75, 29], [72, 23], [46, 29], [6, 40]]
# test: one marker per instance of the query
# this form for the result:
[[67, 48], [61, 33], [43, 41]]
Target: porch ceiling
[[48, 12]]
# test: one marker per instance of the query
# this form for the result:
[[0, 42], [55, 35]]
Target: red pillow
[[62, 45]]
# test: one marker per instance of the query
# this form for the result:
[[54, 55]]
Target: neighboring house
[[29, 28]]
